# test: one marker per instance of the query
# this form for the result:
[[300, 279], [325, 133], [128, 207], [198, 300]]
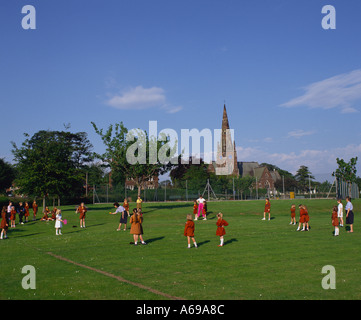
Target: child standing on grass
[[307, 218], [334, 219], [267, 209], [58, 222], [27, 212], [200, 202], [4, 224], [204, 211], [340, 211], [349, 214], [195, 209], [302, 218], [136, 229], [35, 210], [139, 203], [221, 223], [189, 231], [126, 205], [123, 215], [293, 214], [12, 216], [82, 211]]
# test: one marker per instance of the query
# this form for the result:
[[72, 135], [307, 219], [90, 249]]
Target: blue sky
[[292, 89]]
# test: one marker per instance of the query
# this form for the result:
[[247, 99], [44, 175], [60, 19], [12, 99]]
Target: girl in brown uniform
[[27, 213], [12, 216], [136, 229], [221, 223], [335, 221], [189, 231], [35, 210], [4, 223], [293, 214], [82, 211]]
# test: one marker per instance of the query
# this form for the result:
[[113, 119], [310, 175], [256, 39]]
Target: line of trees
[[57, 164]]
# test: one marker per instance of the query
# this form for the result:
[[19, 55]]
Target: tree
[[196, 174], [130, 155], [346, 171], [7, 175], [303, 177], [244, 183], [288, 182], [51, 163]]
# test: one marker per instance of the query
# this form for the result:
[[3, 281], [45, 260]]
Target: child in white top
[[58, 222], [340, 211]]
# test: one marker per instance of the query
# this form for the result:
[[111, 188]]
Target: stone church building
[[227, 163]]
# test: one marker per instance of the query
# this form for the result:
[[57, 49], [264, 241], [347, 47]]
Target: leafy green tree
[[303, 177], [194, 174], [51, 163], [346, 171], [7, 175], [132, 155]]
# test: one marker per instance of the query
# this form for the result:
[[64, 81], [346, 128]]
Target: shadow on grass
[[230, 241], [153, 239], [199, 244]]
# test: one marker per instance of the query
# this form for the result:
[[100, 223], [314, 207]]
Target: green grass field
[[260, 259]]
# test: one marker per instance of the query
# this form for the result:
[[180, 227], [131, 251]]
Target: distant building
[[265, 179], [151, 183], [226, 161]]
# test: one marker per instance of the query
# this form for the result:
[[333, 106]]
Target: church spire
[[225, 123]]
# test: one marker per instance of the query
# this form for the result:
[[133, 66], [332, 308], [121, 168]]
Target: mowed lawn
[[260, 259]]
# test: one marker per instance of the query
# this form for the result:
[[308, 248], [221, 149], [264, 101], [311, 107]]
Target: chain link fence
[[167, 192]]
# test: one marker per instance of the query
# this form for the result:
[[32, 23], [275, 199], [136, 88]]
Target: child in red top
[[12, 216], [189, 231], [82, 210], [307, 218], [204, 210], [267, 209], [221, 223], [293, 214], [195, 208], [302, 217], [334, 219], [27, 213], [4, 224]]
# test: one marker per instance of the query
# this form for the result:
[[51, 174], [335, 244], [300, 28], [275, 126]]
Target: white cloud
[[318, 161], [340, 91], [299, 133], [140, 98]]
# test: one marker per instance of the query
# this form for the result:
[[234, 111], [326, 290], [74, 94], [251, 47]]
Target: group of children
[[200, 207], [8, 216], [136, 219], [190, 227], [336, 216]]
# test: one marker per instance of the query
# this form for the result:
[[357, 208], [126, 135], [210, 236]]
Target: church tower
[[226, 162]]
